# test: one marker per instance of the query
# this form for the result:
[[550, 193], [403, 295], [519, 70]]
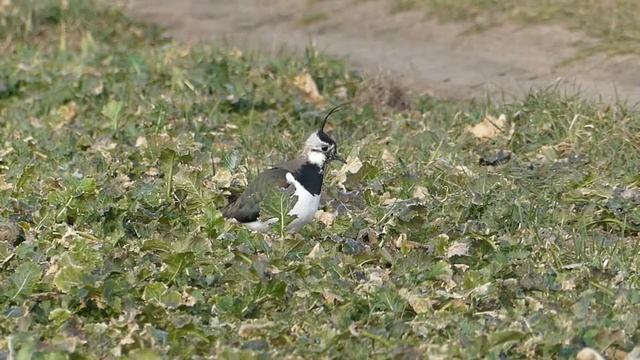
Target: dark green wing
[[247, 207]]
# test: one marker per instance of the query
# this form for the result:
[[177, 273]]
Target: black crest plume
[[334, 109]]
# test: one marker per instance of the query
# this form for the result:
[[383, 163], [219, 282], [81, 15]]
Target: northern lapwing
[[300, 180]]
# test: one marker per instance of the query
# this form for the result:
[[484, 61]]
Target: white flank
[[261, 226], [305, 207]]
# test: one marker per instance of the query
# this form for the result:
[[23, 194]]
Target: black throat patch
[[310, 176]]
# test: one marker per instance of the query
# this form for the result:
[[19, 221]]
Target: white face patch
[[317, 158], [314, 141], [305, 207]]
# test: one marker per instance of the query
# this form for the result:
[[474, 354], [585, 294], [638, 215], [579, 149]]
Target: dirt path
[[503, 62]]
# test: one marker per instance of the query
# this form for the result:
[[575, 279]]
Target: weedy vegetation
[[612, 23], [455, 230]]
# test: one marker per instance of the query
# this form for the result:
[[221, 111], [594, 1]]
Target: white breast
[[305, 207]]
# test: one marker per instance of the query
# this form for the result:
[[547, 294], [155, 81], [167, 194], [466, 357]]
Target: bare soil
[[443, 59]]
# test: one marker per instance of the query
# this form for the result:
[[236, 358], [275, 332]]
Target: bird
[[297, 181]]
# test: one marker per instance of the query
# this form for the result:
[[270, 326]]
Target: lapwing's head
[[320, 148]]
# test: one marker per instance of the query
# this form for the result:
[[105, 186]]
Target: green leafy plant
[[115, 162]]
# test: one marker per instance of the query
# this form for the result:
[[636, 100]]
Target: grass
[[612, 22], [312, 18], [117, 147]]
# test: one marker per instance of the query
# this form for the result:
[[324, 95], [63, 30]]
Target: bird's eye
[[324, 147]]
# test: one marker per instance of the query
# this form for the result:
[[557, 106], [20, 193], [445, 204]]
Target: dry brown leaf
[[330, 297], [480, 290], [420, 192], [490, 127], [419, 303], [457, 249], [533, 304], [152, 171], [401, 241], [4, 4], [69, 236], [124, 181], [104, 146], [98, 89], [461, 267], [9, 232], [223, 177], [619, 278], [341, 93], [325, 217], [274, 270], [302, 293], [463, 170], [376, 278], [251, 328], [634, 354], [617, 354], [141, 142], [316, 253], [546, 153], [305, 83], [589, 354], [6, 151], [54, 266], [188, 299], [568, 285], [386, 199], [388, 157], [128, 339], [5, 185], [66, 113], [235, 53], [353, 165]]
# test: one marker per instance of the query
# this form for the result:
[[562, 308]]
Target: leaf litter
[[116, 246]]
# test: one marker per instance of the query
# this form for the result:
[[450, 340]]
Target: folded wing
[[246, 208]]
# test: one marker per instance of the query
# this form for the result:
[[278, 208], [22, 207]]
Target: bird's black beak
[[337, 157]]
